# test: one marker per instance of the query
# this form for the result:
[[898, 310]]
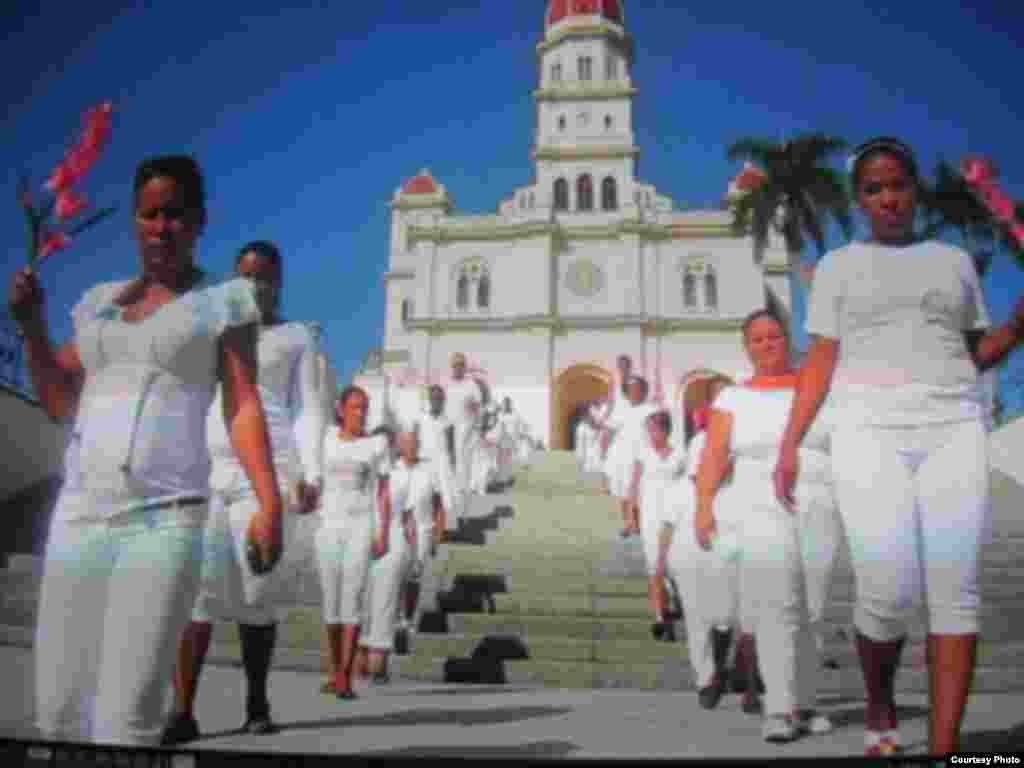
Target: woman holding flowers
[[900, 334], [138, 377]]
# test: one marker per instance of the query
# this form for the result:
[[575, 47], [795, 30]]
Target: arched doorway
[[575, 385], [694, 388]]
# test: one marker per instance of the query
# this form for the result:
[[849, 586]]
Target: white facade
[[544, 295]]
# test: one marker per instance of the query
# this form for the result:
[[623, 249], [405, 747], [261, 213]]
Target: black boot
[[257, 652], [710, 695]]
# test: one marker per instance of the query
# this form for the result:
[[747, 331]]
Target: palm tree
[[793, 196]]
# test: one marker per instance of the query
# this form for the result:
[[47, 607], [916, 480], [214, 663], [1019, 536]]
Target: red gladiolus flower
[[81, 157], [55, 241], [978, 169], [69, 203]]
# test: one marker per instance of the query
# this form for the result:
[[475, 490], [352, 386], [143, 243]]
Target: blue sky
[[307, 119]]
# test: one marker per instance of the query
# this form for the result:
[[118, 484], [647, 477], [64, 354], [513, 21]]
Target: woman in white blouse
[[744, 431], [124, 551], [355, 467], [229, 590], [900, 332]]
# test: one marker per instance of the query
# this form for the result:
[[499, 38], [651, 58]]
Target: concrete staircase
[[540, 590]]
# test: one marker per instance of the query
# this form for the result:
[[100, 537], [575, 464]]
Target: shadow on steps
[[486, 665]]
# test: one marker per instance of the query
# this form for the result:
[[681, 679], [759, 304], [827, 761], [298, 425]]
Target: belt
[[183, 503]]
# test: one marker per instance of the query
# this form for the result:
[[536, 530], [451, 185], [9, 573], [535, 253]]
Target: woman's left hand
[[308, 496], [706, 529]]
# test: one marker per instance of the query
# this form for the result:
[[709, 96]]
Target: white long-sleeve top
[[292, 402]]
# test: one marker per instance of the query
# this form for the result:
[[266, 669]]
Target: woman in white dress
[[744, 432], [386, 573], [627, 427], [229, 590], [900, 332], [140, 371], [351, 535], [706, 581], [658, 466]]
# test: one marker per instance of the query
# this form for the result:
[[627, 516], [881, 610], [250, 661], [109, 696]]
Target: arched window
[[585, 67], [607, 122], [710, 289], [556, 72], [462, 292], [483, 291], [611, 68], [584, 193], [689, 290], [561, 123], [406, 311], [609, 197], [561, 195]]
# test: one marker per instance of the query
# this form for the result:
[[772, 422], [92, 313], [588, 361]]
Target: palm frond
[[750, 148]]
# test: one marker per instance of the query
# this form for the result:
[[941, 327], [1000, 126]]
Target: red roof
[[420, 184], [559, 9]]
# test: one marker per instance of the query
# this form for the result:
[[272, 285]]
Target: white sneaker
[[813, 722], [779, 729]]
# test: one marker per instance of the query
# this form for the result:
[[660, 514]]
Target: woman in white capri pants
[[707, 581], [744, 432], [899, 336], [658, 465], [351, 534], [229, 590], [125, 544], [410, 483]]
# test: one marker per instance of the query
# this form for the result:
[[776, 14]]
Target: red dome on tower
[[560, 9]]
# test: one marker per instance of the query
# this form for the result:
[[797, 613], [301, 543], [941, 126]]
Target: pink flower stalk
[[69, 203], [54, 241], [81, 157], [980, 173]]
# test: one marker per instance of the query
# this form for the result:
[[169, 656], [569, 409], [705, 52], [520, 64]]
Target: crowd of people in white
[[199, 443]]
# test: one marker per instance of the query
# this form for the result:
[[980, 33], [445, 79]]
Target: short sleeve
[[96, 303], [975, 315], [727, 400], [230, 304], [823, 305], [696, 449]]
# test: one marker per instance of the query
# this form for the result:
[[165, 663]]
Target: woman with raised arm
[[356, 466], [229, 590], [744, 432], [900, 333], [124, 551]]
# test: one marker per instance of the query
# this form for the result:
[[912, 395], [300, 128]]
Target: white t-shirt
[[461, 395], [759, 419], [292, 404], [351, 471], [899, 314], [658, 475], [407, 405], [412, 489], [432, 431]]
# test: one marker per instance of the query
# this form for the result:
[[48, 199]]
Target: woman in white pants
[[436, 436], [658, 465], [464, 403], [351, 535], [140, 375], [387, 573], [229, 590], [900, 333], [707, 582], [744, 432]]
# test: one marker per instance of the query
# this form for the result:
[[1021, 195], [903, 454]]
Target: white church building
[[583, 264]]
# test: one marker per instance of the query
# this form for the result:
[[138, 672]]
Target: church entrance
[[575, 386]]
